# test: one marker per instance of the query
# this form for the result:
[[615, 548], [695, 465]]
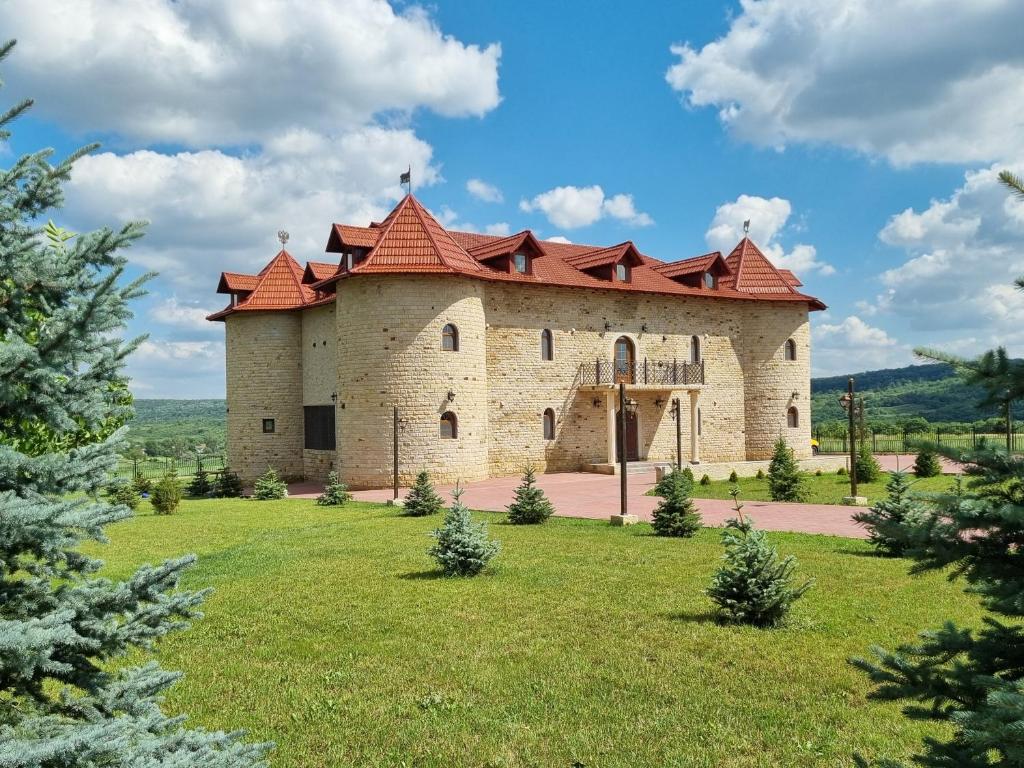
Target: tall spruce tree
[[65, 697], [784, 480], [971, 680]]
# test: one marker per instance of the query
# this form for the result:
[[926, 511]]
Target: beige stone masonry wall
[[264, 380], [319, 378], [389, 353], [772, 381]]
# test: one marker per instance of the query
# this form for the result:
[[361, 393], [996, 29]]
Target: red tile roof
[[410, 240], [697, 264], [235, 282], [790, 277]]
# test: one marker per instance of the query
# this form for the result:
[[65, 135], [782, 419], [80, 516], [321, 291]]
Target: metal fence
[[904, 442], [660, 372], [153, 467]]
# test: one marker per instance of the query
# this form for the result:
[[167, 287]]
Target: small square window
[[268, 426], [519, 263]]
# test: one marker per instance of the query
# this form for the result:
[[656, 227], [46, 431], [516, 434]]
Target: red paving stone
[[578, 494]]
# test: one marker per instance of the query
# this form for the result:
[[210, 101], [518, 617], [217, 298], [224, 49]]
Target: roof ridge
[[418, 211]]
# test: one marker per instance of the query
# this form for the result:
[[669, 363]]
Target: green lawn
[[330, 633], [824, 489]]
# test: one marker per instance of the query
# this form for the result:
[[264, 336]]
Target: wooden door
[[632, 437], [625, 359]]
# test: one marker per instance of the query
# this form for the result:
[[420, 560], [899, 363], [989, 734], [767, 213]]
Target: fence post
[[874, 442], [974, 436], [938, 436]]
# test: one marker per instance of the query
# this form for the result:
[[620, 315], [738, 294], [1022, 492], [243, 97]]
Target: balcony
[[649, 374]]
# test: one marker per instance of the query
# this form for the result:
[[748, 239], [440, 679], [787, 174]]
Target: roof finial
[[282, 235], [746, 227], [406, 178]]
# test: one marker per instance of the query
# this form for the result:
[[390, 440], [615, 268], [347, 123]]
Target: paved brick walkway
[[577, 494]]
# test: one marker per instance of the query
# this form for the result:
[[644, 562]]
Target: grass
[[330, 632], [828, 488]]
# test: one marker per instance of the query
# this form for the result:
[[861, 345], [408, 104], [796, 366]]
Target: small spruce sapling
[[228, 485], [665, 485], [753, 586], [166, 494], [269, 486], [422, 500], [676, 514], [531, 505], [124, 493], [335, 492], [462, 547], [927, 463], [705, 480], [733, 477], [143, 485], [887, 520], [868, 468], [200, 487], [784, 480], [760, 474]]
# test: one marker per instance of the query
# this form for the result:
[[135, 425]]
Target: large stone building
[[505, 351]]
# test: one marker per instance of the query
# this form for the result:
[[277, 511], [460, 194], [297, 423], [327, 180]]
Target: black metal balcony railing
[[668, 372]]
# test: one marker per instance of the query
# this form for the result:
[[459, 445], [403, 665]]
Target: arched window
[[450, 338], [547, 345], [694, 349], [549, 424], [789, 350], [449, 426], [792, 417]]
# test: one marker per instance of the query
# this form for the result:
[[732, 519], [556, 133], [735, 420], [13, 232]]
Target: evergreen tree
[[269, 486], [675, 514], [462, 547], [530, 505], [66, 697], [335, 492], [927, 463], [122, 492], [228, 485], [664, 486], [422, 499], [970, 680], [887, 519], [868, 468], [200, 487], [784, 480], [166, 494], [754, 586]]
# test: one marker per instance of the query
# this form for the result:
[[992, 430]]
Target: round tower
[[417, 342]]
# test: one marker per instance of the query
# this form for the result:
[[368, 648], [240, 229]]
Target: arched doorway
[[625, 360], [632, 437]]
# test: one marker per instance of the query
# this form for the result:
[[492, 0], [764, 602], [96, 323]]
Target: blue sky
[[864, 156]]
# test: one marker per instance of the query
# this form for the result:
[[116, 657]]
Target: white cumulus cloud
[[572, 207], [221, 72], [852, 345], [767, 217], [908, 80], [481, 190]]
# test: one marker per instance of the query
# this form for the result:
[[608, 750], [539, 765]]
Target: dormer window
[[622, 273], [520, 263], [710, 281]]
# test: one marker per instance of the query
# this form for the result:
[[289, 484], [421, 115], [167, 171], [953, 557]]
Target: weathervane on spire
[[282, 235], [406, 178], [746, 227]]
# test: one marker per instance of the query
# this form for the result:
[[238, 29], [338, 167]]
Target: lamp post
[[626, 405], [397, 424], [678, 417], [849, 403]]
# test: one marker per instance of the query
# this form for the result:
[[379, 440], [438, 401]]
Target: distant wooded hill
[[177, 427], [933, 392]]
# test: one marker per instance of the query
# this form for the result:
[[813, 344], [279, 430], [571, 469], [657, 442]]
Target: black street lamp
[[677, 416], [626, 406], [849, 403]]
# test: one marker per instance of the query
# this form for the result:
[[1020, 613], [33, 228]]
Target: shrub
[[784, 481], [868, 469], [143, 485], [166, 494], [927, 463], [200, 487], [753, 586], [676, 515], [122, 492], [760, 474], [818, 473], [530, 505], [462, 547], [335, 492], [664, 486], [422, 499], [841, 471], [705, 480], [733, 477], [228, 485], [886, 521], [269, 486]]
